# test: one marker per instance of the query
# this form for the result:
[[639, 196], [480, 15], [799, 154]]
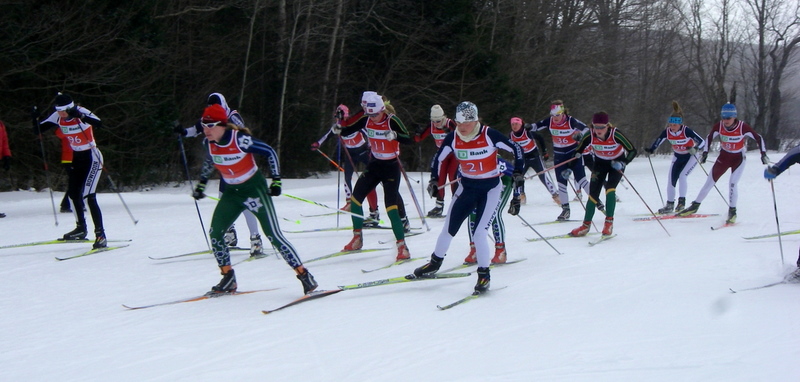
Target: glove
[[177, 128], [513, 208], [7, 163], [545, 156], [566, 173], [692, 150], [703, 157], [649, 151], [433, 187], [770, 173], [578, 155], [577, 135], [764, 158], [527, 126], [519, 179], [275, 187], [198, 191], [315, 146], [391, 135], [74, 113], [617, 165], [336, 129], [339, 114]]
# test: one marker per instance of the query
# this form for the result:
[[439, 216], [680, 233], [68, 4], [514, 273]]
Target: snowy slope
[[644, 306]]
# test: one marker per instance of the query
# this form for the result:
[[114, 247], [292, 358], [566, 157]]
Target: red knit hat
[[215, 113], [600, 118]]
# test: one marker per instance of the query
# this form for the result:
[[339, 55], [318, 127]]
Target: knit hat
[[728, 111], [437, 113], [556, 109], [374, 104], [64, 102], [364, 97], [215, 113], [600, 118], [466, 112]]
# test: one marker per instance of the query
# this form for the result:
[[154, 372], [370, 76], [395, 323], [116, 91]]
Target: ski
[[343, 253], [565, 236], [405, 236], [250, 258], [203, 252], [308, 297], [470, 297], [325, 214], [403, 279], [58, 241], [723, 226], [91, 252], [794, 232], [552, 222], [602, 239], [393, 264], [206, 296], [759, 287], [349, 228], [666, 217], [465, 265]]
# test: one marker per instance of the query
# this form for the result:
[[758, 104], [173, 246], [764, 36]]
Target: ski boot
[[608, 227], [483, 281], [256, 246], [499, 253], [564, 215], [228, 283], [356, 243], [471, 258], [430, 268], [670, 207], [230, 237], [437, 211], [79, 233], [374, 219], [100, 239], [731, 215], [309, 284], [690, 210], [794, 277], [681, 204], [402, 251], [583, 230]]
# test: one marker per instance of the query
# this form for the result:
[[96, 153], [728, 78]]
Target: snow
[[643, 306]]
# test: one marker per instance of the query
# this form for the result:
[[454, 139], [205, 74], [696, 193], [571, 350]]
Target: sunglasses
[[437, 120], [599, 126], [210, 125]]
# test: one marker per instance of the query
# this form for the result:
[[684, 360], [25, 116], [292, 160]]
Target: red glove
[[315, 146]]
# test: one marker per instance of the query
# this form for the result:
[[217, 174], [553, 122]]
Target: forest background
[[285, 65]]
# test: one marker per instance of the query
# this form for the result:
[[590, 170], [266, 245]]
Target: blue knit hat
[[728, 111]]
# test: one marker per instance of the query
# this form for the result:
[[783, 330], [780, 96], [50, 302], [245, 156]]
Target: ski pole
[[537, 232], [645, 203], [413, 196], [656, 179], [777, 222], [46, 170], [550, 168], [328, 207], [333, 162], [715, 183], [189, 178]]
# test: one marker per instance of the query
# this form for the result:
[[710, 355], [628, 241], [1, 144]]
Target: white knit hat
[[437, 113]]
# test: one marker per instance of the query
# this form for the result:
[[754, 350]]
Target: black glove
[[177, 128], [545, 156], [198, 191], [649, 151], [703, 157], [433, 187], [74, 112], [764, 158], [7, 163], [339, 114], [513, 209], [275, 187], [519, 179]]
